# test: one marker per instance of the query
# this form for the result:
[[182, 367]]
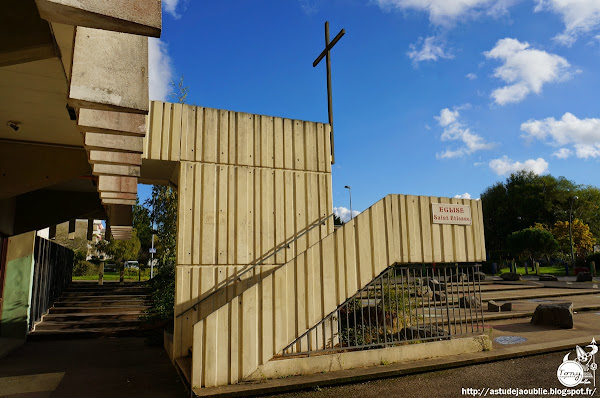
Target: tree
[[163, 205], [120, 250], [526, 198], [143, 226], [583, 240], [337, 220], [532, 243]]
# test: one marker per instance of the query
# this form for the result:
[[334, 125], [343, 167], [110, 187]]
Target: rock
[[584, 277], [477, 276], [511, 276], [422, 291], [422, 332], [548, 278], [469, 302], [555, 314], [493, 306], [506, 307], [434, 284], [458, 277], [439, 297]]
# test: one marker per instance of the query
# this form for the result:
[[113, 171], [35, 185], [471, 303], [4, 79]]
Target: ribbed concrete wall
[[190, 133], [230, 342]]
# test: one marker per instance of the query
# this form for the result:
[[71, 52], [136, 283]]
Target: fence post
[[101, 273]]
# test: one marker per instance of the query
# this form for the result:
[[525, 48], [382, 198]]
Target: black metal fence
[[52, 274], [400, 306]]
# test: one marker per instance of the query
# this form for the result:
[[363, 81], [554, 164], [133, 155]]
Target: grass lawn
[[557, 270], [129, 275]]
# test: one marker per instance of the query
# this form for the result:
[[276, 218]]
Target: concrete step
[[97, 309], [39, 335], [88, 317], [98, 303], [107, 292], [90, 297], [184, 367], [83, 325]]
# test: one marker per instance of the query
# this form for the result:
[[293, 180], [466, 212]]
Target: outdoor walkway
[[103, 367]]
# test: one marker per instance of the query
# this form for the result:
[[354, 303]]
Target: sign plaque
[[446, 213]]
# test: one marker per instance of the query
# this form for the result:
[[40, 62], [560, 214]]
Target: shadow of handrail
[[261, 261]]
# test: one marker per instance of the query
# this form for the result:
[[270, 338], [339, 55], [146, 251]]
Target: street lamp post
[[350, 193], [574, 198]]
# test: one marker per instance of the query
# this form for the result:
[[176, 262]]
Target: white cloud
[[525, 70], [562, 153], [160, 69], [170, 6], [454, 130], [583, 134], [465, 195], [431, 49], [447, 117], [447, 12], [308, 6], [579, 17], [504, 166], [471, 76], [344, 213]]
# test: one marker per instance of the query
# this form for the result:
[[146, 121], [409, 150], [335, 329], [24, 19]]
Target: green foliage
[[83, 268], [143, 226], [180, 91], [163, 297], [525, 199], [533, 243], [79, 255], [120, 250], [583, 241], [337, 220], [163, 203]]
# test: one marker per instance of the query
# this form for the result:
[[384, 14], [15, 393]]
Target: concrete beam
[[117, 195], [120, 215], [110, 71], [115, 170], [129, 202], [117, 184], [46, 208], [111, 122], [108, 157], [140, 17], [114, 142], [24, 36], [26, 167]]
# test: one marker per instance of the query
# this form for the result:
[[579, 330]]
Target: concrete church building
[[261, 275]]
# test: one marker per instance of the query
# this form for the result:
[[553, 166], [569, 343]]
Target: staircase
[[89, 310]]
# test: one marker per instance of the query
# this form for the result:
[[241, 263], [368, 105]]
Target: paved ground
[[531, 372], [105, 367]]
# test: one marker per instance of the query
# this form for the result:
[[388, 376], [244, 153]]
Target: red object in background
[[580, 269]]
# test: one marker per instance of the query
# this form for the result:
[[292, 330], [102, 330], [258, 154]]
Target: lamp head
[[348, 186]]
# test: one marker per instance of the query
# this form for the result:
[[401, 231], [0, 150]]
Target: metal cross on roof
[[325, 53]]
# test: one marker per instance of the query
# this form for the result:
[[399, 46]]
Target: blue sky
[[430, 97]]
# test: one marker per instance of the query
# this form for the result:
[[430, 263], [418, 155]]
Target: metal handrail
[[281, 247]]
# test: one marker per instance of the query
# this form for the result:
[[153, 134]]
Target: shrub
[[82, 268], [163, 297]]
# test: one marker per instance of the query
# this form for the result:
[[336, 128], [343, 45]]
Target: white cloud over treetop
[[160, 69], [454, 130], [525, 69], [505, 166], [579, 17], [344, 213], [432, 49], [583, 134], [447, 12]]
